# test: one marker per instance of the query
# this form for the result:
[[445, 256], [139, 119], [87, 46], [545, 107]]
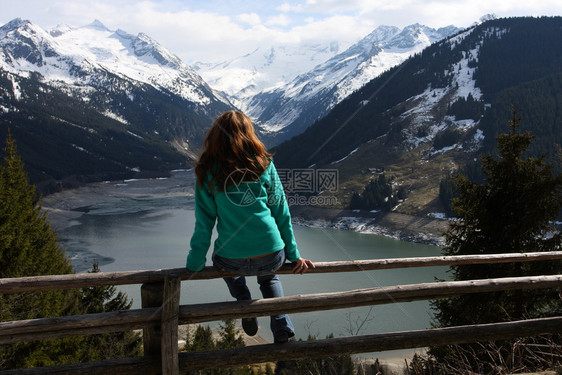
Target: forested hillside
[[429, 116], [61, 136]]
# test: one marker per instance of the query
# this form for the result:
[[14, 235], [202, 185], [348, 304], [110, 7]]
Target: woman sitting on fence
[[238, 186]]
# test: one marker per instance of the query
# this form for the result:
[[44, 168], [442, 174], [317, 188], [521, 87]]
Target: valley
[[416, 105]]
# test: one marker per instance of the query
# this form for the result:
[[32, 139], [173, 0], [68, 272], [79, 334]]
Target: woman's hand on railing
[[302, 265]]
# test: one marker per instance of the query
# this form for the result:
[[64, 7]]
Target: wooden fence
[[161, 314]]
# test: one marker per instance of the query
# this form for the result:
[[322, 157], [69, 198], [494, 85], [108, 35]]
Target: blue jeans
[[270, 285]]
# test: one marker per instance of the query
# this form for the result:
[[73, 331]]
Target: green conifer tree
[[99, 299], [28, 247], [513, 211], [202, 339], [229, 336]]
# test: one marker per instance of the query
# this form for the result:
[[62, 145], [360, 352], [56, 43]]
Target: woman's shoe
[[250, 326], [282, 337]]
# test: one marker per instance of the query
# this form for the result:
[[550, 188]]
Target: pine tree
[[512, 211], [28, 247], [229, 337], [446, 187], [377, 195], [99, 299], [202, 339]]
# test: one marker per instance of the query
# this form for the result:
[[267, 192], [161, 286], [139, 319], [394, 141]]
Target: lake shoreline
[[63, 209], [66, 206], [403, 227]]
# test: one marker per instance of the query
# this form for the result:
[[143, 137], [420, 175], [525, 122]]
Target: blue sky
[[216, 30]]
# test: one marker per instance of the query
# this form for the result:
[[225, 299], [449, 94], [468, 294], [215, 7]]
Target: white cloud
[[212, 30], [249, 18], [286, 7], [343, 28], [338, 6], [281, 20]]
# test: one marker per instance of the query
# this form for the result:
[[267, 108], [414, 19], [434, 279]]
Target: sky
[[218, 30]]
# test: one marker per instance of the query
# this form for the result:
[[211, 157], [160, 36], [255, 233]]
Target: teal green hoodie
[[252, 219]]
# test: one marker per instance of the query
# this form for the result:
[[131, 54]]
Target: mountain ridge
[[311, 96], [123, 92], [432, 115], [136, 85], [440, 106], [89, 48]]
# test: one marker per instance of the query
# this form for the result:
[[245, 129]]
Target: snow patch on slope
[[421, 114], [345, 157], [116, 117]]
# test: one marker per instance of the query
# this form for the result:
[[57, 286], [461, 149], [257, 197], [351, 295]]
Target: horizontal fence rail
[[126, 320], [83, 280], [370, 343], [310, 349], [161, 314]]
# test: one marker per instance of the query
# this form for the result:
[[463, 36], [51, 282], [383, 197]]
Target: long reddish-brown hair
[[231, 148]]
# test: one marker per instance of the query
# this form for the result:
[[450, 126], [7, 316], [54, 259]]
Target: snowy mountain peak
[[83, 56], [416, 34], [305, 70], [381, 33], [143, 45], [484, 18], [97, 24], [24, 43], [308, 97], [16, 23], [59, 30], [20, 27], [264, 68], [488, 17]]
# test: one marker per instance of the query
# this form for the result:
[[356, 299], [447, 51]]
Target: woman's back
[[252, 219]]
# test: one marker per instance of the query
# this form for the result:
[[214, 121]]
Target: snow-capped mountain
[[286, 111], [438, 111], [82, 56], [96, 103], [264, 69]]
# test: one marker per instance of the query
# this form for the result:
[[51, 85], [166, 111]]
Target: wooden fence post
[[152, 296], [161, 339], [170, 316]]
